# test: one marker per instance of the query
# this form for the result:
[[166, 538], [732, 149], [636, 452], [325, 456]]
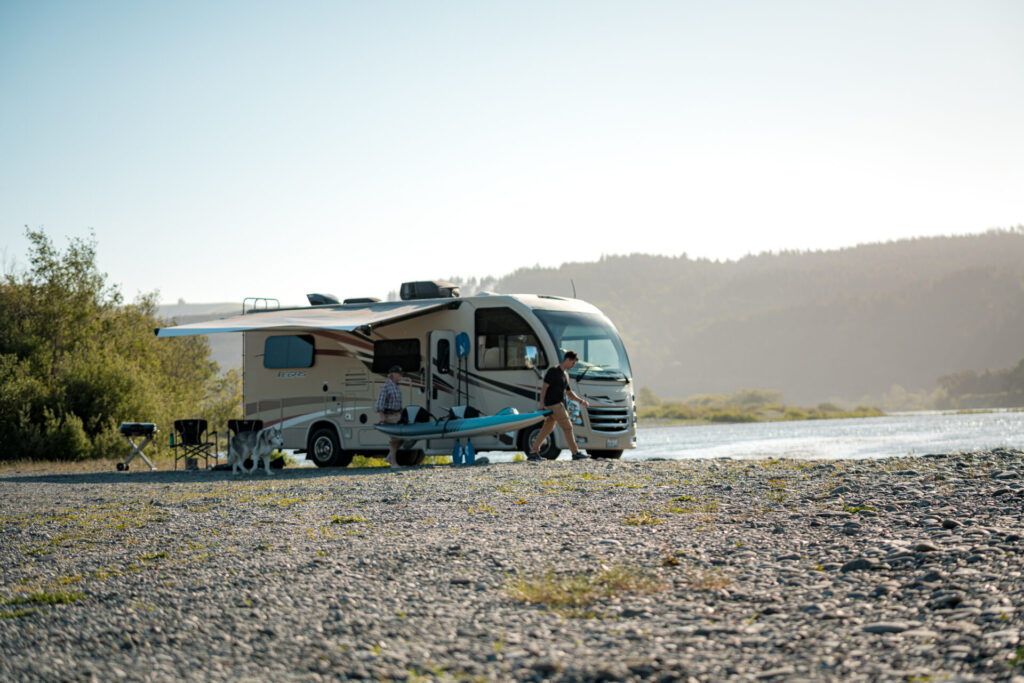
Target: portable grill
[[146, 430]]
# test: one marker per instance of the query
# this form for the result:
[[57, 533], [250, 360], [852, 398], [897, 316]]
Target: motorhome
[[318, 370]]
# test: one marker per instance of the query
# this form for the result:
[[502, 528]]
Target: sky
[[222, 150]]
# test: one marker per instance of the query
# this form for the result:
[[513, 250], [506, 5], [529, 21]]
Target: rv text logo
[[288, 375]]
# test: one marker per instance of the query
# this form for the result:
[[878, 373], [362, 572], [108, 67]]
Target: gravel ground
[[895, 569]]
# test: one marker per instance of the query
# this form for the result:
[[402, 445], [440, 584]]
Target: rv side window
[[403, 352], [292, 351], [502, 337]]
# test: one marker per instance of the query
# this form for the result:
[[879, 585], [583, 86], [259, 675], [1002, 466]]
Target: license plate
[[613, 443]]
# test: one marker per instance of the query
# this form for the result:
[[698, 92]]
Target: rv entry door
[[441, 373]]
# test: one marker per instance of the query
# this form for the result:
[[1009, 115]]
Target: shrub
[[75, 361], [792, 413], [732, 416]]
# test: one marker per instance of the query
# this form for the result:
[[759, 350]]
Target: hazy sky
[[229, 149]]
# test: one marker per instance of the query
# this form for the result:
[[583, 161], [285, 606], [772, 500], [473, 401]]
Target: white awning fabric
[[343, 318]]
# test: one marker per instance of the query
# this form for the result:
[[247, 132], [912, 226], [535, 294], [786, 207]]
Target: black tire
[[548, 450], [324, 449], [611, 455], [411, 458]]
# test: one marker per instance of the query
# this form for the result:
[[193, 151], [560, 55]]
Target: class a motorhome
[[317, 371]]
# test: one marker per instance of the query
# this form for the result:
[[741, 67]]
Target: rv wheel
[[411, 458], [548, 450], [324, 449]]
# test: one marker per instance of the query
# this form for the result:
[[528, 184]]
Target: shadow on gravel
[[193, 476]]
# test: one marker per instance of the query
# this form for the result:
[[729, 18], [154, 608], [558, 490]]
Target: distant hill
[[818, 326], [190, 313], [225, 349], [841, 324]]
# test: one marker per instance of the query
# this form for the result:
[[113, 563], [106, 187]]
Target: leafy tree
[[989, 389], [75, 361]]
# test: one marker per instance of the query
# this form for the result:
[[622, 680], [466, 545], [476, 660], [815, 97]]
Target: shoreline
[[713, 569], [655, 422]]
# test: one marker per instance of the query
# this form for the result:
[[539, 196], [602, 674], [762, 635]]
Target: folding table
[[136, 429]]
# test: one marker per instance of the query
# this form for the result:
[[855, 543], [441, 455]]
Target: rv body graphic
[[318, 370]]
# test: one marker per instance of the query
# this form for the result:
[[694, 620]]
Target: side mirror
[[531, 355]]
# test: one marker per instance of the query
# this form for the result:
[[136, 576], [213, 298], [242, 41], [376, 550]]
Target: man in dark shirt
[[552, 395]]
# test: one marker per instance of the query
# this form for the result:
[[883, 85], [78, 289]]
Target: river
[[897, 434], [874, 437]]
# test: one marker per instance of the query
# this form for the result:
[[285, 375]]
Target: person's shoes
[[579, 455], [533, 457]]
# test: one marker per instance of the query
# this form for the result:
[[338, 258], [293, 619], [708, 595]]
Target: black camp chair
[[192, 441], [412, 414], [239, 426]]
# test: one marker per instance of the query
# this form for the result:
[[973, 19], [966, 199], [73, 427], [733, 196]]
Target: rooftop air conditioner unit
[[322, 299], [428, 289]]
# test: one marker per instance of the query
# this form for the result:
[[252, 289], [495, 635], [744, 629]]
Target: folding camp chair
[[193, 442]]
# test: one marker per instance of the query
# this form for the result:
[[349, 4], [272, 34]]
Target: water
[[874, 437], [877, 437]]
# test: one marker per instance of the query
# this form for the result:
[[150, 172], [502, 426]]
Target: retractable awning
[[343, 318]]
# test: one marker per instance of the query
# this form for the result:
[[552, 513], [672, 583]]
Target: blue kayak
[[508, 420]]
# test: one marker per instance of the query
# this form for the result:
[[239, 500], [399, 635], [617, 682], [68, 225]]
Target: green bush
[[732, 416], [792, 413], [65, 438], [76, 361]]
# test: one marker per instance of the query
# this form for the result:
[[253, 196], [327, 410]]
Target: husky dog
[[259, 445]]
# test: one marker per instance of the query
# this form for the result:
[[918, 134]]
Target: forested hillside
[[844, 324], [867, 324]]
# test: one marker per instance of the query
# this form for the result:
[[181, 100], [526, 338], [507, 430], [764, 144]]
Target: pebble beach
[[697, 570]]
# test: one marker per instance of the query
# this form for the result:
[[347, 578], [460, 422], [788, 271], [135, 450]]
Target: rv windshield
[[602, 355]]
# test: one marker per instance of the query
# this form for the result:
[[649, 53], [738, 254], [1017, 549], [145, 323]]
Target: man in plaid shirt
[[389, 409]]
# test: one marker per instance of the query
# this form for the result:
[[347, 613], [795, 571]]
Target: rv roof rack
[[428, 289], [260, 302]]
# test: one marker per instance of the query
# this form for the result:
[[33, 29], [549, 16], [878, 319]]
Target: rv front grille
[[608, 419]]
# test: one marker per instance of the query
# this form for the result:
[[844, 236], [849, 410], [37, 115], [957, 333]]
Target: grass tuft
[[707, 579], [574, 591], [44, 598], [348, 519], [362, 462], [642, 518]]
